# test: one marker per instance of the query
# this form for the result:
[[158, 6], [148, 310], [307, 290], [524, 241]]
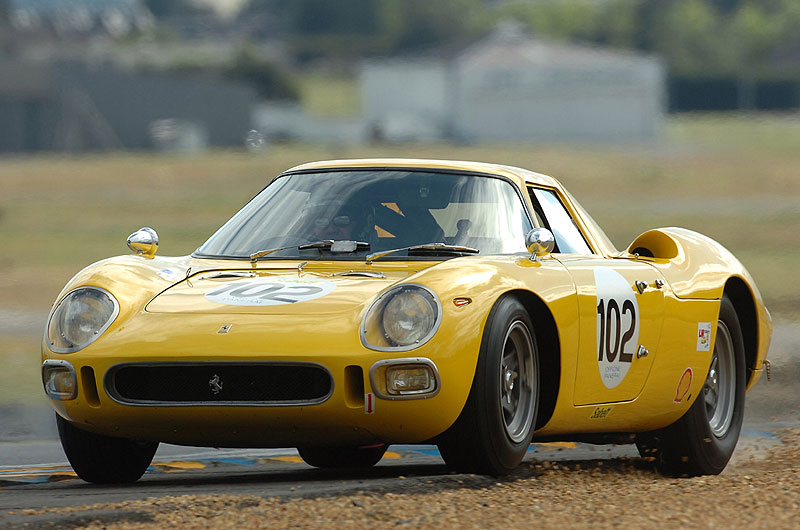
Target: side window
[[569, 239]]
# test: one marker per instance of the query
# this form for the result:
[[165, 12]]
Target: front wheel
[[703, 440], [104, 459], [342, 457], [494, 430]]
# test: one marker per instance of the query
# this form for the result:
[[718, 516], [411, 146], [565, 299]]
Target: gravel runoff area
[[757, 490]]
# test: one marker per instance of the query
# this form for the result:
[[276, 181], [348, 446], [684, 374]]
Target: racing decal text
[[270, 291], [617, 326]]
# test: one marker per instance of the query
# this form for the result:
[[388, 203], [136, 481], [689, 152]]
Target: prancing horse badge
[[216, 384]]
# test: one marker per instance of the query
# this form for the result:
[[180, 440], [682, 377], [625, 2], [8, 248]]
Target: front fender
[[484, 281], [133, 280]]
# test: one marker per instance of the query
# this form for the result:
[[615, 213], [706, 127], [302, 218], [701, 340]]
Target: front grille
[[215, 383]]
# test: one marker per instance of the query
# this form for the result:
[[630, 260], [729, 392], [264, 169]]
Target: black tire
[[342, 457], [703, 440], [493, 432], [104, 459]]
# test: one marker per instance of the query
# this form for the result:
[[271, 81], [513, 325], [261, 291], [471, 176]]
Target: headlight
[[80, 318], [402, 318]]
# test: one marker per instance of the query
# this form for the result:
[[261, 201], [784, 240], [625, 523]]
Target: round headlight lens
[[80, 318], [409, 316]]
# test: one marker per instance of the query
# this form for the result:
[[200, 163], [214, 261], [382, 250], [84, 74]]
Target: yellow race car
[[354, 304]]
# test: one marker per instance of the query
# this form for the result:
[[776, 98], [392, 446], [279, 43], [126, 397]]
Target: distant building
[[513, 87], [67, 107]]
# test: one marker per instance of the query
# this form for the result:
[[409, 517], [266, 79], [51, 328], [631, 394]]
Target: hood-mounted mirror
[[540, 243], [144, 242]]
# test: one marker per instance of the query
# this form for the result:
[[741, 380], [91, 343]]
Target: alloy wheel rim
[[719, 390], [518, 382]]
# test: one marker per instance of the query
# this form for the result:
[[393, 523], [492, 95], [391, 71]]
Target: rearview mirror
[[540, 243], [144, 242]]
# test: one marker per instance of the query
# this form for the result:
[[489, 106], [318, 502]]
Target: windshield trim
[[342, 169]]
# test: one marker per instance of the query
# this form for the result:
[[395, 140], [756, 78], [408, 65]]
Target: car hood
[[287, 291]]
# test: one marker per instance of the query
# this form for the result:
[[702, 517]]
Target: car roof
[[519, 175]]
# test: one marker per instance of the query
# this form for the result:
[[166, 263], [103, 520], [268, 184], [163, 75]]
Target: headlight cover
[[403, 318], [80, 318]]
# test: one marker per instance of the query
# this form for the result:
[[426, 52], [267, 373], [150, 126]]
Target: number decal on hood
[[617, 326], [270, 291]]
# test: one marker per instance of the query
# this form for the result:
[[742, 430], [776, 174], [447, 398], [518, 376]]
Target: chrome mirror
[[540, 243], [144, 242]]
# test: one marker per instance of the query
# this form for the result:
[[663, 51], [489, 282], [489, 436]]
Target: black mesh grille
[[209, 383]]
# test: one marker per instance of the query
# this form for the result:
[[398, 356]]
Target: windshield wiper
[[261, 253], [438, 247], [333, 246]]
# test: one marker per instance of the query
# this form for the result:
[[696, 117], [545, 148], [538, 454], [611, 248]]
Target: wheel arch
[[744, 303], [549, 346]]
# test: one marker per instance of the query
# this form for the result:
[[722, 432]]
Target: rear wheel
[[342, 457], [104, 459], [495, 428], [703, 440]]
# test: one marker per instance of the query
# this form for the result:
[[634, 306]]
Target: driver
[[328, 220], [337, 228]]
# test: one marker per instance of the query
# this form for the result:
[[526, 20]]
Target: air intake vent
[[212, 383]]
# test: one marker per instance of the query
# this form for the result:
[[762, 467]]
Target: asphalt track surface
[[34, 472]]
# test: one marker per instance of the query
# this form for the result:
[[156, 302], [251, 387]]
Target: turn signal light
[[410, 379]]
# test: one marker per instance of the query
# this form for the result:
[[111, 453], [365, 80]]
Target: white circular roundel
[[270, 291], [617, 326]]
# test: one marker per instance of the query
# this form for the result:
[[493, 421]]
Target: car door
[[621, 309]]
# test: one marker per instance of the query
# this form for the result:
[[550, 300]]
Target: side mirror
[[540, 243], [144, 242]]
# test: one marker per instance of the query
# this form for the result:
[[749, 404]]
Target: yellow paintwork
[[164, 316]]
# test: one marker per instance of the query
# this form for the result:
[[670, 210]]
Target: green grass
[[20, 377], [755, 132]]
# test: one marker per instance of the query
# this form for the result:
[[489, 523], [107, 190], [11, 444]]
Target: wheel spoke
[[510, 359], [720, 385], [710, 395], [508, 407], [517, 383]]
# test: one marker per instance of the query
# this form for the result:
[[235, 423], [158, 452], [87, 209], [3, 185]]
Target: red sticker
[[369, 403], [684, 385]]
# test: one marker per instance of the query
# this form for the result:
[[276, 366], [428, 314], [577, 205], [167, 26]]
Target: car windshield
[[301, 215]]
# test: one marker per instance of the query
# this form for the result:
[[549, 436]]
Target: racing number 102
[[609, 314]]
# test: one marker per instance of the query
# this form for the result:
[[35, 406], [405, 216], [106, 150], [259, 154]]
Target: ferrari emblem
[[216, 384]]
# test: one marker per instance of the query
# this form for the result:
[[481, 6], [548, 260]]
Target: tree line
[[694, 37]]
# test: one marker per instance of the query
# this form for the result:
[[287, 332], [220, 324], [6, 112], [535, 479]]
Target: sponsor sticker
[[684, 384], [600, 412], [704, 336], [270, 291], [617, 326], [170, 275]]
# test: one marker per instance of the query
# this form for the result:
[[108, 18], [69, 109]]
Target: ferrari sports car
[[354, 304]]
